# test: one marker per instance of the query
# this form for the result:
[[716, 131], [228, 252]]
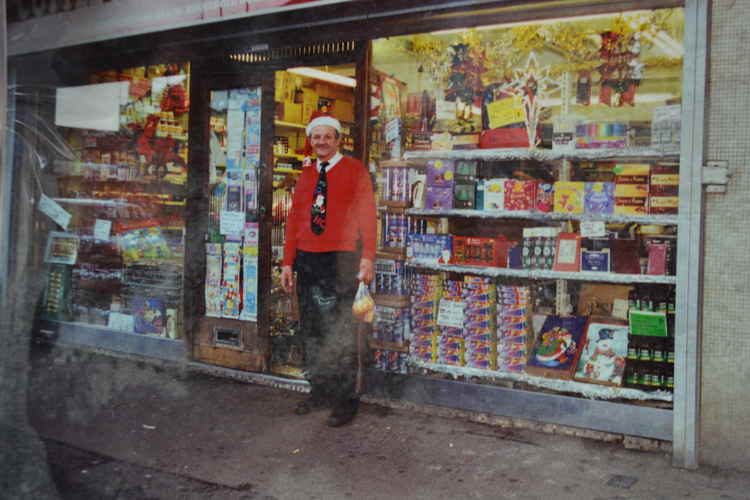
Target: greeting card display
[[603, 355], [568, 252], [557, 349]]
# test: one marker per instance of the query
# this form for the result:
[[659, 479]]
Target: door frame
[[207, 78]]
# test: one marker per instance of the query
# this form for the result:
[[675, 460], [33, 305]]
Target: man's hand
[[287, 278], [366, 271]]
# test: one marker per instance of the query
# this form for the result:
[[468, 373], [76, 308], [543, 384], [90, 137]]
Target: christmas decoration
[[532, 83]]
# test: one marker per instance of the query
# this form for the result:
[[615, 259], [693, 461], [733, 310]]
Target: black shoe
[[306, 406], [343, 413]]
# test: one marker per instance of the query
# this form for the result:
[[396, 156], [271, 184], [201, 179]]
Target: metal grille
[[282, 53]]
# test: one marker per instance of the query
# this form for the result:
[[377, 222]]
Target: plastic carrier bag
[[364, 306]]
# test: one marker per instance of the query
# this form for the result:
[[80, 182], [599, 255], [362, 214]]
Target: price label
[[451, 313], [54, 211], [593, 229]]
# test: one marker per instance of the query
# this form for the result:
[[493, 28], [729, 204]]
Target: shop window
[[528, 183], [116, 260]]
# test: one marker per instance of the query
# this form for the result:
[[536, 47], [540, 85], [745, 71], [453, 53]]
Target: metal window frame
[[688, 321]]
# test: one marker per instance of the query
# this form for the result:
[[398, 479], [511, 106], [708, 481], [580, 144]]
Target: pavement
[[118, 428]]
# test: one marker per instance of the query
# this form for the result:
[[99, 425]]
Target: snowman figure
[[604, 364]]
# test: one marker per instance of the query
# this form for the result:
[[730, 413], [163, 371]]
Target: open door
[[228, 235]]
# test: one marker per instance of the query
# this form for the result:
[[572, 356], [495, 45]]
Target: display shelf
[[284, 170], [641, 153], [664, 220], [494, 272], [284, 124], [594, 391]]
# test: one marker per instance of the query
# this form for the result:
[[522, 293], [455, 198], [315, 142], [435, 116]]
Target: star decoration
[[532, 83]]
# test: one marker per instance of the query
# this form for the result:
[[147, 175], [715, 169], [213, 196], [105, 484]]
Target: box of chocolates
[[473, 251]]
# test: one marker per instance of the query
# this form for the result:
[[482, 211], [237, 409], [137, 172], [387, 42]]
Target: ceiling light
[[324, 75]]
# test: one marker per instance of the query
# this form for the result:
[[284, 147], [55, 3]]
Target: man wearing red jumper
[[333, 211]]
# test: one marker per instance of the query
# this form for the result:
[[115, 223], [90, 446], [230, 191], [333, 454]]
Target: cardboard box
[[464, 194], [343, 110], [494, 194], [569, 196], [664, 189], [289, 112], [504, 138], [309, 104], [519, 195], [334, 91], [599, 198], [438, 198], [471, 251], [466, 169], [441, 173]]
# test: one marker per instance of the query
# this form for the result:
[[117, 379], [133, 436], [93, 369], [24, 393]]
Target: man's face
[[325, 142]]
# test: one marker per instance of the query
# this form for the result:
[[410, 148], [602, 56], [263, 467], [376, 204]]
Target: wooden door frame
[[206, 78]]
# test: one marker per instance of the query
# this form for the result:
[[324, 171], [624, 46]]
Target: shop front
[[535, 187]]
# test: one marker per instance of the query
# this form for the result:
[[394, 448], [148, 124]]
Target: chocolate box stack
[[512, 328], [451, 338], [480, 340], [663, 191], [425, 291], [631, 188], [440, 182]]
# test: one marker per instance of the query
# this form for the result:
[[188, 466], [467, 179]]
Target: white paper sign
[[232, 223], [235, 128], [102, 229], [592, 229], [451, 313], [122, 322], [620, 309], [54, 211], [95, 107], [445, 110]]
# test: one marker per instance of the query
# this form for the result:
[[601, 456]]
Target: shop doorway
[[228, 230], [248, 124], [299, 92]]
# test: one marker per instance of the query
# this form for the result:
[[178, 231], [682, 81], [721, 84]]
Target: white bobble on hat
[[323, 120]]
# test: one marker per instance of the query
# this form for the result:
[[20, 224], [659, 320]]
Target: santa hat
[[318, 118]]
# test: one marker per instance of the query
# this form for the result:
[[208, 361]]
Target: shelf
[[289, 155], [280, 123], [665, 220], [638, 153], [571, 386], [284, 170], [495, 272]]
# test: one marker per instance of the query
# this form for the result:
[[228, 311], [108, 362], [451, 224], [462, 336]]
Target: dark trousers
[[326, 286]]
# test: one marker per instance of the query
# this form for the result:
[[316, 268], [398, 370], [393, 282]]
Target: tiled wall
[[725, 406]]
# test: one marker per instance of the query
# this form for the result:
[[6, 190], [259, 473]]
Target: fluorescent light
[[324, 75]]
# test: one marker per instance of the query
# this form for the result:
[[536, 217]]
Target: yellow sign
[[505, 112]]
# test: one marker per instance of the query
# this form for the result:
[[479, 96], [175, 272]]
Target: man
[[333, 210]]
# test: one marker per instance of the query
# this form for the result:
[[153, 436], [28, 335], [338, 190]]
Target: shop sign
[[86, 24]]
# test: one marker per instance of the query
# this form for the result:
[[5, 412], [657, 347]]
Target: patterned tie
[[319, 201]]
